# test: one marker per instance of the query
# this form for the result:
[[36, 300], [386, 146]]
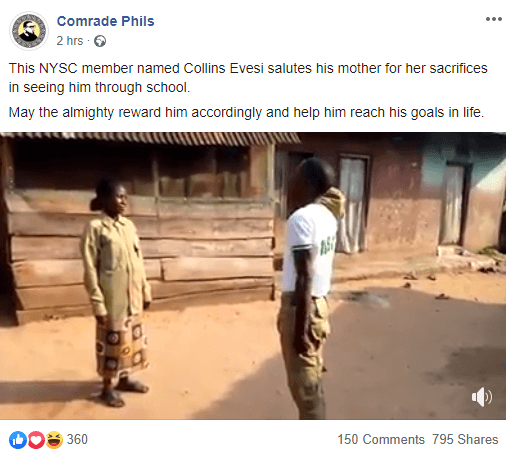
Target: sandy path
[[394, 353]]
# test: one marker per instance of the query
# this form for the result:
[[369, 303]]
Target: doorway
[[456, 185], [352, 182]]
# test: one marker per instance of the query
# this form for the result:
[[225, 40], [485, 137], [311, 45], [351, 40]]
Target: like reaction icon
[[36, 440], [17, 440]]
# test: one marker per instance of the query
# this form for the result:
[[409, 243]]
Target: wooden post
[[214, 171], [6, 186], [155, 173], [262, 184], [261, 172], [281, 161], [271, 183], [255, 173], [7, 165], [156, 184]]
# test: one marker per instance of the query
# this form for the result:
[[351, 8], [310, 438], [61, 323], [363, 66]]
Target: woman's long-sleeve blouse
[[114, 272]]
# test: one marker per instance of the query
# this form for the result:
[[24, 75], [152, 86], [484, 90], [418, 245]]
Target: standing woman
[[116, 282]]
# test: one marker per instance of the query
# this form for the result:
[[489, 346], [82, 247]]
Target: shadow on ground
[[47, 391], [393, 354], [476, 364]]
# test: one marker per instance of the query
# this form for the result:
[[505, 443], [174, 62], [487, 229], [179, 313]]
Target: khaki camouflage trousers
[[304, 371]]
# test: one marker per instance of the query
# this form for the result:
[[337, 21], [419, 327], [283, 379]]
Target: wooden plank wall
[[198, 253]]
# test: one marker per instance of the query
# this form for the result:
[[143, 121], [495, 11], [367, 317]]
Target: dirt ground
[[395, 353]]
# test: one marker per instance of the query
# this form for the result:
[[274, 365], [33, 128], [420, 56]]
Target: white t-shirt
[[311, 227]]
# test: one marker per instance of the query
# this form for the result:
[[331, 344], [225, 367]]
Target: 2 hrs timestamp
[[437, 438], [69, 41]]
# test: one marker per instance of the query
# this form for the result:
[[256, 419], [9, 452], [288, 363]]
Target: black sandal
[[131, 386], [110, 398]]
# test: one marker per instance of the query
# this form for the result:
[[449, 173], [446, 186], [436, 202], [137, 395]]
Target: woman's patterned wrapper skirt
[[121, 346]]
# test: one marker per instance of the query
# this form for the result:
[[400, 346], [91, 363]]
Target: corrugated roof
[[176, 138]]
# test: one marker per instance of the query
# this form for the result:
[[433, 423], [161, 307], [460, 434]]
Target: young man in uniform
[[303, 318]]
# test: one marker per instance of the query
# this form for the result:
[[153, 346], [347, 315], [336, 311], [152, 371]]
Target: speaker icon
[[482, 397]]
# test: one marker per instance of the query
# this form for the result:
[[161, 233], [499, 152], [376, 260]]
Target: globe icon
[[100, 41]]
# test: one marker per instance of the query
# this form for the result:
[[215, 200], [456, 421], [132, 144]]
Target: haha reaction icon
[[36, 440], [29, 31], [17, 440], [54, 440]]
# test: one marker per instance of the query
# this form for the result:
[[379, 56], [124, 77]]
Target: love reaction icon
[[36, 440]]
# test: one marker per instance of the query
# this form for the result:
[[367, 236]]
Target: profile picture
[[29, 31]]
